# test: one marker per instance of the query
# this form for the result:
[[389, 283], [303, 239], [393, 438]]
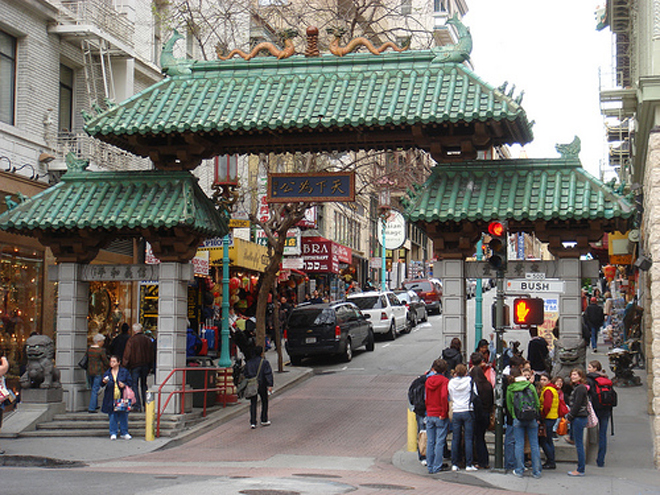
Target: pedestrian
[[452, 355], [484, 391], [549, 413], [594, 318], [116, 379], [601, 394], [522, 401], [316, 298], [259, 366], [118, 344], [509, 437], [139, 359], [483, 347], [577, 416], [437, 416], [537, 352], [460, 393], [97, 364], [4, 369]]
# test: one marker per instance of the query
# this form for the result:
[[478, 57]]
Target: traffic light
[[506, 319], [498, 245], [528, 311]]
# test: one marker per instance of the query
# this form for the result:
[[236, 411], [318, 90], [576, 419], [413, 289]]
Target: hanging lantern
[[234, 283]]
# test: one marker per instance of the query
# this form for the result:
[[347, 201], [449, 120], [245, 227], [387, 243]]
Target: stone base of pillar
[[76, 397], [41, 395]]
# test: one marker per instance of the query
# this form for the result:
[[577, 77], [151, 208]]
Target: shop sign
[[309, 220], [395, 230], [201, 263], [242, 254], [621, 259], [323, 255], [112, 273], [375, 262], [293, 263], [235, 223], [291, 245], [216, 242], [318, 187]]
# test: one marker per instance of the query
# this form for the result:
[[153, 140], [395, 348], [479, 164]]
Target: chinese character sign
[[318, 187]]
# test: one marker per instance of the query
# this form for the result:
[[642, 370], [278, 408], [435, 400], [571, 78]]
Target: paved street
[[342, 430]]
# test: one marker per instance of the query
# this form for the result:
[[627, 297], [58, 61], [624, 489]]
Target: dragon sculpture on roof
[[355, 43], [286, 35]]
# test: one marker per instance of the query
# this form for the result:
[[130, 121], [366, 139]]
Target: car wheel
[[391, 333], [348, 352], [439, 308], [295, 360], [426, 316], [371, 342], [413, 321]]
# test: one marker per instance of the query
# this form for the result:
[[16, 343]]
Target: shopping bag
[[122, 405], [6, 394], [562, 427], [421, 442]]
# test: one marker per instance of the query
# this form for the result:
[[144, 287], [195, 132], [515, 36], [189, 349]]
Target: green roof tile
[[120, 202], [520, 190]]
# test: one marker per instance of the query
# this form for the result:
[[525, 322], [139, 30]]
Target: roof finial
[[312, 49], [571, 150]]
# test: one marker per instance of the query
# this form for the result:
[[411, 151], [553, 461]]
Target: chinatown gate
[[310, 102]]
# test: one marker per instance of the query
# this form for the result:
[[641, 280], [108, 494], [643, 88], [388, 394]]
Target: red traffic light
[[496, 229], [528, 311]]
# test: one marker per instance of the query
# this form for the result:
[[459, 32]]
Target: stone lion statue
[[40, 371]]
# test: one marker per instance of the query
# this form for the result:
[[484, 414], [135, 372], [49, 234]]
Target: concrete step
[[93, 432]]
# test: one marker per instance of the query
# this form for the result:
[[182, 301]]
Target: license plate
[[310, 340]]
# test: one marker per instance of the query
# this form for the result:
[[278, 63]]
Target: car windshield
[[417, 286], [312, 317], [366, 302], [403, 296]]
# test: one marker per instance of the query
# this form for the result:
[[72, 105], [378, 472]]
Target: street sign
[[395, 230], [518, 269], [534, 276], [552, 286]]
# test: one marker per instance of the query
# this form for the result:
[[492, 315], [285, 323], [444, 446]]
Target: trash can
[[195, 379]]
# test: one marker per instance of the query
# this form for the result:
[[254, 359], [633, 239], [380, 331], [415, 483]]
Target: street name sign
[[551, 286]]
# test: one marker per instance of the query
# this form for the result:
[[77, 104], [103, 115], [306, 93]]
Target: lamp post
[[479, 297], [225, 184], [384, 211]]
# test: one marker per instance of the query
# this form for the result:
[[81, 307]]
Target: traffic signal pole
[[499, 385]]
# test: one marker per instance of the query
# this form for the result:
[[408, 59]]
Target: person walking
[[594, 318], [437, 416], [116, 379], [452, 355], [537, 352], [549, 413], [97, 364], [460, 393], [4, 369], [259, 366], [484, 391], [523, 404], [118, 344], [139, 359], [577, 416], [601, 394]]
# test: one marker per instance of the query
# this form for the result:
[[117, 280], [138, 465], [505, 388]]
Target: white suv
[[389, 316]]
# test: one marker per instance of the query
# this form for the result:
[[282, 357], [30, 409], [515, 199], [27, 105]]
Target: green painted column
[[479, 298]]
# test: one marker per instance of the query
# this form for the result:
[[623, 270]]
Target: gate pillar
[[454, 323]]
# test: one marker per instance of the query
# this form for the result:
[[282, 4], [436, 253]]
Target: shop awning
[[242, 254]]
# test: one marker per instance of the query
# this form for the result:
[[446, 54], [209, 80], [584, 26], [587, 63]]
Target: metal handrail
[[184, 391]]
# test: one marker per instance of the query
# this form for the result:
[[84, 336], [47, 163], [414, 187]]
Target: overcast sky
[[552, 51]]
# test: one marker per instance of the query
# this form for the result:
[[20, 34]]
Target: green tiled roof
[[299, 94], [122, 202], [518, 190]]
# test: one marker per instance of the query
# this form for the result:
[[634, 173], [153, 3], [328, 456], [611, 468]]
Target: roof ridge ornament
[[460, 52], [570, 150], [74, 164], [289, 49], [174, 66], [355, 43]]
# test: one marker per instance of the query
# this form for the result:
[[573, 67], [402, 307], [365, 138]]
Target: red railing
[[185, 390]]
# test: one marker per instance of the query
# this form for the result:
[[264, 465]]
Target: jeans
[[139, 377], [509, 448], [463, 419], [578, 425], [547, 444], [594, 337], [532, 429], [120, 417], [604, 416], [480, 448], [96, 386], [263, 393], [436, 434]]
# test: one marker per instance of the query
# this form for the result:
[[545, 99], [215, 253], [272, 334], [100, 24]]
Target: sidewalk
[[52, 451], [628, 465]]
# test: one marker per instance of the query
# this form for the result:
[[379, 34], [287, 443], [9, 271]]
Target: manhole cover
[[382, 486], [311, 475], [269, 492]]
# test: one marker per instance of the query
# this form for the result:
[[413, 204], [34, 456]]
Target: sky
[[552, 52]]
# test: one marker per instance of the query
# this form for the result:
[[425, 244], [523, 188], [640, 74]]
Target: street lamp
[[225, 184], [384, 208]]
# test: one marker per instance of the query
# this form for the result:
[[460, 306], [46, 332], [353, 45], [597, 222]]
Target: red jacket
[[437, 401]]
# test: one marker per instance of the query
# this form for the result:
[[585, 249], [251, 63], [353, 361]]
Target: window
[[439, 6], [66, 99], [7, 77]]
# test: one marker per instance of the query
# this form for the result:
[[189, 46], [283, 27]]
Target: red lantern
[[234, 283]]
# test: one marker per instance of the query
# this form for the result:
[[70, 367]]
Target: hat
[[594, 300], [98, 338]]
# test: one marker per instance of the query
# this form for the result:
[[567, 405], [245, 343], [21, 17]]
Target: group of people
[[459, 398], [130, 361]]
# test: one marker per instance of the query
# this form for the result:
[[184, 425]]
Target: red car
[[430, 290]]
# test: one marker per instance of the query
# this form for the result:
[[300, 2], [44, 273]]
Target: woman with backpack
[[602, 397], [460, 392], [577, 416]]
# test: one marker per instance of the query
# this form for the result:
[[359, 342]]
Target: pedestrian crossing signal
[[528, 311]]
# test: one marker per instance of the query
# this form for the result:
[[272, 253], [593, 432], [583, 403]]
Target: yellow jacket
[[549, 402]]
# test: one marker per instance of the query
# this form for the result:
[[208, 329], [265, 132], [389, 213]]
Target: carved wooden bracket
[[81, 246], [175, 245]]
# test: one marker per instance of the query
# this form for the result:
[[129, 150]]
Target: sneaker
[[470, 468], [454, 468], [517, 474], [266, 423], [253, 426], [423, 461], [126, 437], [113, 437], [549, 465], [536, 476], [575, 473]]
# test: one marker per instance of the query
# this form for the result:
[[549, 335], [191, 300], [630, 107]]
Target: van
[[429, 290]]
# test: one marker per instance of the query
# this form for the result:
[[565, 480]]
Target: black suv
[[331, 328]]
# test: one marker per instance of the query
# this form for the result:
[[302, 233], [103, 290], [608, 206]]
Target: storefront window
[[108, 303], [21, 272]]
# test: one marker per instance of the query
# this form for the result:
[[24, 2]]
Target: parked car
[[416, 307], [329, 328], [389, 316], [429, 290]]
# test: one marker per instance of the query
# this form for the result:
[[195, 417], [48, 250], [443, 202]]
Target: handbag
[[562, 409], [252, 386], [84, 362], [492, 421], [127, 400], [592, 419], [421, 442], [562, 427], [5, 393], [543, 432]]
